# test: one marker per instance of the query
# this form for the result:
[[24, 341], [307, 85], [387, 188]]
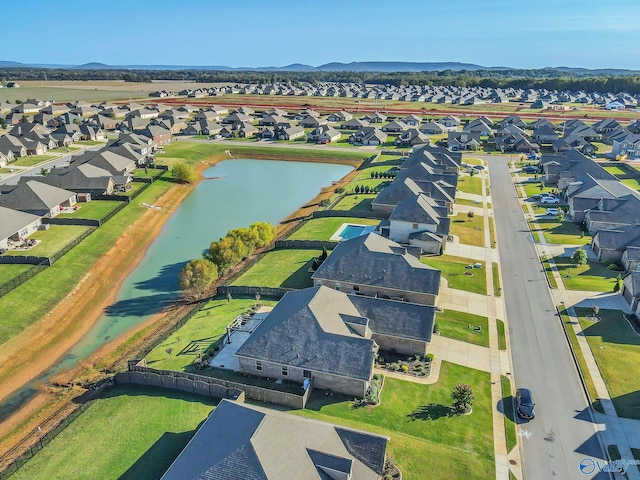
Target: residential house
[[378, 267], [631, 290], [368, 136], [354, 124], [375, 117], [611, 213], [159, 135], [311, 121], [11, 146], [627, 146], [411, 137], [313, 334], [432, 128], [241, 441], [84, 178], [464, 140], [324, 134], [289, 133], [339, 116], [395, 126], [610, 244], [16, 226], [38, 198], [411, 120]]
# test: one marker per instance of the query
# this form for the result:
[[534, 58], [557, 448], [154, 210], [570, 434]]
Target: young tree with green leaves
[[197, 276], [580, 257], [183, 173], [463, 398]]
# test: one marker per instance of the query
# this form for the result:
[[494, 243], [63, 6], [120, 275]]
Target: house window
[[338, 286], [258, 365], [306, 373], [356, 288], [285, 371], [415, 226]]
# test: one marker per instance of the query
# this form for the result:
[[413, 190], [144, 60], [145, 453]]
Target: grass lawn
[[470, 184], [151, 172], [325, 228], [426, 440], [281, 268], [472, 203], [473, 161], [502, 338], [29, 302], [549, 272], [509, 414], [565, 233], [94, 210], [8, 272], [455, 325], [203, 329], [131, 433], [495, 271], [461, 278], [582, 364], [135, 186], [470, 231], [365, 174], [52, 240], [533, 188], [375, 184], [32, 160], [631, 183], [616, 171], [356, 203], [616, 348], [593, 276], [90, 143]]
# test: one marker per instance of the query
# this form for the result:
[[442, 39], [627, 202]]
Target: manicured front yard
[[565, 233], [616, 348], [131, 433], [469, 230], [426, 440], [94, 210], [50, 241], [470, 184], [356, 203], [325, 228], [614, 170], [179, 350], [462, 326], [593, 276], [457, 275], [281, 268], [533, 188], [32, 160]]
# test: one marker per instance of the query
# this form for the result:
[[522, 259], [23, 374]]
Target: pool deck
[[365, 230]]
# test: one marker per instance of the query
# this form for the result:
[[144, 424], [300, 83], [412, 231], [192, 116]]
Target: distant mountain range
[[328, 67]]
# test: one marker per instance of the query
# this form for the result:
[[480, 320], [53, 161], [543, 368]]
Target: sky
[[257, 33]]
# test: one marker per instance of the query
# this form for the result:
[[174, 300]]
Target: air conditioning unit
[[44, 226]]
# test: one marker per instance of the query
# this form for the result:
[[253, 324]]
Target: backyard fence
[[77, 222], [211, 386], [310, 244], [20, 279], [58, 255], [348, 213], [251, 291]]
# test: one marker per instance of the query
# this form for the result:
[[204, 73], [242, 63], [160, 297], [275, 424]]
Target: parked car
[[524, 404], [479, 167], [533, 156], [550, 200], [552, 211], [531, 169]]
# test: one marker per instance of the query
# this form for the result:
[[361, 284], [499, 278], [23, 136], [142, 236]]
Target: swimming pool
[[348, 231]]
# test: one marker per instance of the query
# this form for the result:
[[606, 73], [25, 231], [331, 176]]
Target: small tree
[[596, 310], [183, 173], [470, 215], [541, 186], [229, 297], [472, 172], [463, 398], [618, 285], [560, 215], [197, 276], [580, 257]]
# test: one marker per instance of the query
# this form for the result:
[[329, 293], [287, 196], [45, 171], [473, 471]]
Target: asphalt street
[[562, 434]]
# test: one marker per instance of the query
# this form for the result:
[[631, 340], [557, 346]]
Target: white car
[[549, 200], [552, 211]]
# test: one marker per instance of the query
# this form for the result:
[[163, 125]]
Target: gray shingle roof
[[308, 329], [398, 319], [378, 262], [419, 209], [13, 221], [245, 442], [35, 196]]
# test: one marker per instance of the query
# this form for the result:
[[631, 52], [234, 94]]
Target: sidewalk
[[617, 431]]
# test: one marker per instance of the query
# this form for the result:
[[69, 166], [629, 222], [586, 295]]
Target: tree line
[[198, 275], [548, 78]]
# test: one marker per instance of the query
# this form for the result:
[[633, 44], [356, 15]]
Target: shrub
[[324, 203], [436, 328], [405, 368], [463, 397], [339, 190], [430, 357]]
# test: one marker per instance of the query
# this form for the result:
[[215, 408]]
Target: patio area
[[240, 330]]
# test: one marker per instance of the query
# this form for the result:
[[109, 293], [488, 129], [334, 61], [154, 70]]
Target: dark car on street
[[524, 404]]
